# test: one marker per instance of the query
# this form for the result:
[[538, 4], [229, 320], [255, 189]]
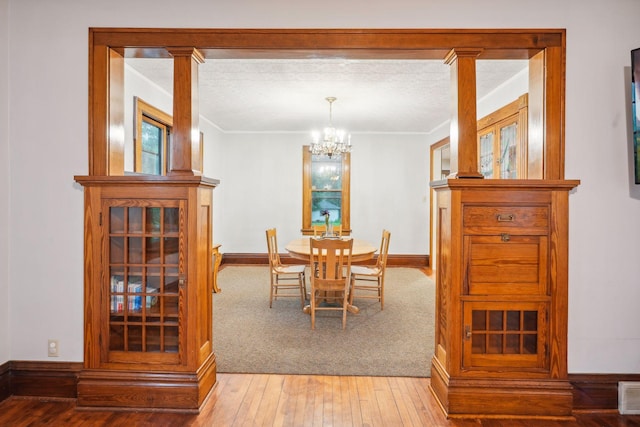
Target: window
[[153, 136], [325, 186]]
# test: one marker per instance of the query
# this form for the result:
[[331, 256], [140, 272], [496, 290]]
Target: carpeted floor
[[249, 337]]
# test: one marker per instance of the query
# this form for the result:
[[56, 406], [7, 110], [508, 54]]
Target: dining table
[[362, 250]]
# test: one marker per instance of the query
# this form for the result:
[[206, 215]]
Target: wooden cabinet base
[[471, 397], [166, 391]]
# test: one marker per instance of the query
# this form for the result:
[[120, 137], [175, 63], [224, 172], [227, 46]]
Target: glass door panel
[[144, 267], [486, 154], [508, 151]]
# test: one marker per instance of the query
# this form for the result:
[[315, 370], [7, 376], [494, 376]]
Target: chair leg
[[344, 310], [271, 292], [302, 288], [381, 292], [313, 310]]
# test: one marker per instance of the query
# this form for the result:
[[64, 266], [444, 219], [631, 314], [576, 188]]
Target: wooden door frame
[[543, 48]]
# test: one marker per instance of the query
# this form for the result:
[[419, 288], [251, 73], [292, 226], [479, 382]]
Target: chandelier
[[333, 140]]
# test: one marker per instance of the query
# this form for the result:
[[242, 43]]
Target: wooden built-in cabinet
[[148, 288], [501, 303]]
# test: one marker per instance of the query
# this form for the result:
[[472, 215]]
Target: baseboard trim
[[597, 392], [42, 379], [5, 380], [591, 392], [397, 260]]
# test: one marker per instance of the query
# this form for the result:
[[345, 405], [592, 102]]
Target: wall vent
[[629, 397]]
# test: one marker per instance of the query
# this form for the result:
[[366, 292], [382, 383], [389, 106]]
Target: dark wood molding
[[597, 392], [5, 380], [44, 379], [591, 392], [418, 261]]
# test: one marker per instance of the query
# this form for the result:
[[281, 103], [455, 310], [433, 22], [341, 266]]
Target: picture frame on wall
[[635, 97]]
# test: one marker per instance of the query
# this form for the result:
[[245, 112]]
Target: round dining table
[[361, 251]]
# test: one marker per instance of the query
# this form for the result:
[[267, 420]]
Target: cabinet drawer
[[500, 265], [483, 219]]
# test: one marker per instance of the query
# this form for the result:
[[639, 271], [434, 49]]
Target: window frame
[[145, 112], [307, 227]]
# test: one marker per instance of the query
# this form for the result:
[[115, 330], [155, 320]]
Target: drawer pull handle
[[505, 237], [505, 218]]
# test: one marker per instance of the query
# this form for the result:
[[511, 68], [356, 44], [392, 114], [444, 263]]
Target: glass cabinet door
[[486, 141], [499, 335], [145, 271], [508, 151]]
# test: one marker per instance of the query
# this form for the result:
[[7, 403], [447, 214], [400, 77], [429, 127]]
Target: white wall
[[48, 145], [263, 188], [4, 182]]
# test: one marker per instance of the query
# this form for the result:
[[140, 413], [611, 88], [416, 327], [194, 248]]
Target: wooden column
[[464, 129], [106, 124], [185, 144]]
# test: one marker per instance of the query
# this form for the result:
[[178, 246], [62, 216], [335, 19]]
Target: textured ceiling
[[262, 95]]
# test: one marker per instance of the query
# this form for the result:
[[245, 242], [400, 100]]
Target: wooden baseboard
[[418, 261], [5, 380], [500, 398], [597, 392], [591, 392], [183, 392], [44, 379]]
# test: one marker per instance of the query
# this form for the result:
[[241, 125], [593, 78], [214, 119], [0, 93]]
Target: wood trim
[[5, 380], [349, 43], [597, 392], [591, 392], [307, 192], [416, 261], [160, 119], [45, 379]]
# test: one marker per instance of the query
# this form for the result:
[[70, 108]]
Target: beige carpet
[[249, 337]]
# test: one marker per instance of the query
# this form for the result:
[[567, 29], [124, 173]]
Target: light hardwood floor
[[290, 400]]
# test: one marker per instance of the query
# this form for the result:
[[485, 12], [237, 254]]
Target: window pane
[[151, 138], [330, 201], [150, 164], [151, 148], [326, 173]]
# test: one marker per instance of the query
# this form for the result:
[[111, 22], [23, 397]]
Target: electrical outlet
[[53, 350]]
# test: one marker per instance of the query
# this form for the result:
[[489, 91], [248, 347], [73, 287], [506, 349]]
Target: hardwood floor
[[290, 400]]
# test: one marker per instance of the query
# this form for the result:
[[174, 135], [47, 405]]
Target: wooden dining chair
[[367, 281], [320, 229], [330, 281], [285, 278]]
